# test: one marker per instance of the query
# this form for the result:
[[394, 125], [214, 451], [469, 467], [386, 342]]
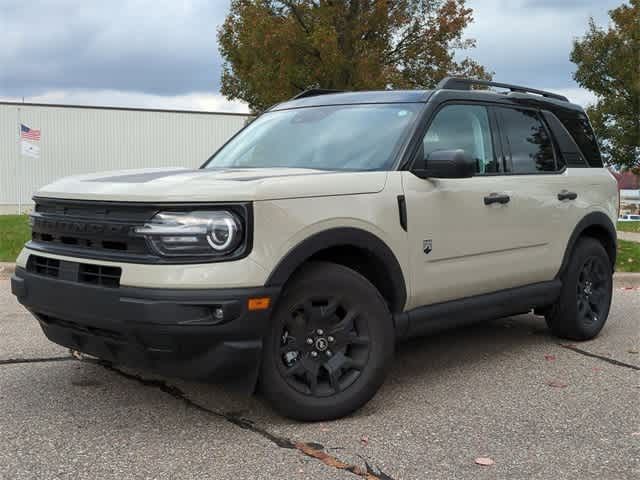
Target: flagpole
[[18, 170]]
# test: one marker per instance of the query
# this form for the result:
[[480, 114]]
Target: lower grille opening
[[80, 328], [100, 275], [43, 266]]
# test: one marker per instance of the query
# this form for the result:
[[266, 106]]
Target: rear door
[[462, 242], [546, 200], [557, 177]]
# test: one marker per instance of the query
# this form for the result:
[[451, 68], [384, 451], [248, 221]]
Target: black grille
[[49, 267], [96, 229], [101, 275]]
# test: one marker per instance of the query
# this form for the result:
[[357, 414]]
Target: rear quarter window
[[577, 124]]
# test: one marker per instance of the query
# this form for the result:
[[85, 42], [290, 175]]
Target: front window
[[343, 137], [463, 127]]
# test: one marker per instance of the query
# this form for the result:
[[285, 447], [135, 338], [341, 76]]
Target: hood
[[212, 185]]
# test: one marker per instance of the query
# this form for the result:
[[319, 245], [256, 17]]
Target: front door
[[474, 235]]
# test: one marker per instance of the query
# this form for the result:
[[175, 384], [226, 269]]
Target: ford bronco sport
[[332, 226]]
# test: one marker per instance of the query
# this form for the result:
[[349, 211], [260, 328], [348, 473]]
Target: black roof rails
[[459, 83], [314, 92]]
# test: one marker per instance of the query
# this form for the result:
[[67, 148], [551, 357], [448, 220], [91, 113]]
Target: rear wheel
[[330, 344], [583, 306]]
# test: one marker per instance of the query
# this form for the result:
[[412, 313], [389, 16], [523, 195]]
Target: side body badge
[[427, 246]]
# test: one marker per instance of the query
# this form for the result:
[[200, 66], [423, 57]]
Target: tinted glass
[[580, 129], [568, 148], [343, 137], [528, 141], [463, 127]]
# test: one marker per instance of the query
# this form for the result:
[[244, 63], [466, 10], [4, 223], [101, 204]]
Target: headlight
[[197, 233]]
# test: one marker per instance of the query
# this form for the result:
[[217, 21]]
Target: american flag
[[29, 133]]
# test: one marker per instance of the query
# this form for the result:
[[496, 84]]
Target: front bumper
[[171, 332]]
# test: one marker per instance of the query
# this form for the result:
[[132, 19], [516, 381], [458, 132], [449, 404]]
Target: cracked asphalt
[[504, 389]]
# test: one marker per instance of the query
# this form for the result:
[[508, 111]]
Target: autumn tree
[[275, 49], [608, 63]]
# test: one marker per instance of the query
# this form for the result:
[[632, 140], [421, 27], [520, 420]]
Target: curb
[[620, 279], [7, 268], [629, 236], [626, 280]]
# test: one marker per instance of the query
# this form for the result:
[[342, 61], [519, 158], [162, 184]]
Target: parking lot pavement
[[505, 390]]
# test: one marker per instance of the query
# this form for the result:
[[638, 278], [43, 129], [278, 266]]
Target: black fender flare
[[345, 236], [593, 219]]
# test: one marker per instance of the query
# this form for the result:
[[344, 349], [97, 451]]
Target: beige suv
[[328, 229]]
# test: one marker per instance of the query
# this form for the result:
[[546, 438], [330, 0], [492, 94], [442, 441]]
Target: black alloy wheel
[[330, 344], [324, 345], [592, 290], [582, 308]]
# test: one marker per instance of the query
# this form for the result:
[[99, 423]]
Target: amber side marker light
[[261, 303]]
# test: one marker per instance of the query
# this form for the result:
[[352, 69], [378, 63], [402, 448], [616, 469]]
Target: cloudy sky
[[163, 53]]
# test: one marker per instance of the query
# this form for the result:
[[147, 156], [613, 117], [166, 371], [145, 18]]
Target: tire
[[330, 344], [585, 298]]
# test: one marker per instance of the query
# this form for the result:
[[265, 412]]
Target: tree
[[275, 49], [609, 65]]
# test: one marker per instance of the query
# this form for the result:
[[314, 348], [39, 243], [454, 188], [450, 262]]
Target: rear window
[[528, 141], [580, 129]]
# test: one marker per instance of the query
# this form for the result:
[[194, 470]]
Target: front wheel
[[583, 306], [330, 344]]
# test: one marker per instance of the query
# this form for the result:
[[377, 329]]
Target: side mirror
[[447, 164]]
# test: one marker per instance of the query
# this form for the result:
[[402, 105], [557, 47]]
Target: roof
[[354, 98], [513, 98]]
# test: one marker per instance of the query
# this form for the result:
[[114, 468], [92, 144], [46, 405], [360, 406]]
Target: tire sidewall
[[566, 320], [325, 279]]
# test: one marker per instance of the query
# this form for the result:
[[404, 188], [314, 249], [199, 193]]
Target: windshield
[[343, 137]]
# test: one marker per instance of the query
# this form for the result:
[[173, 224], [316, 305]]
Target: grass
[[14, 232], [629, 226], [628, 256]]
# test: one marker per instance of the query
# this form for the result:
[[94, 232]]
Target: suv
[[331, 227]]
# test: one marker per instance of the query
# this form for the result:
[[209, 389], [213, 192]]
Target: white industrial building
[[79, 139]]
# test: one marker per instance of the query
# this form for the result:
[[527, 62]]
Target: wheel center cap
[[588, 288], [322, 344]]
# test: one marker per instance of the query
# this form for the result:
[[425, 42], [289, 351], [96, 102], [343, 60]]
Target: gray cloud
[[529, 41], [159, 47], [155, 49]]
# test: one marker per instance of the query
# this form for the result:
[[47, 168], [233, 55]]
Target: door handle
[[567, 195], [501, 198]]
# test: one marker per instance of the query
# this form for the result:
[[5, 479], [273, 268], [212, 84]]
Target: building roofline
[[128, 109]]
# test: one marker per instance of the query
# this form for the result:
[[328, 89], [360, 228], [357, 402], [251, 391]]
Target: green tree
[[275, 49], [609, 65]]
